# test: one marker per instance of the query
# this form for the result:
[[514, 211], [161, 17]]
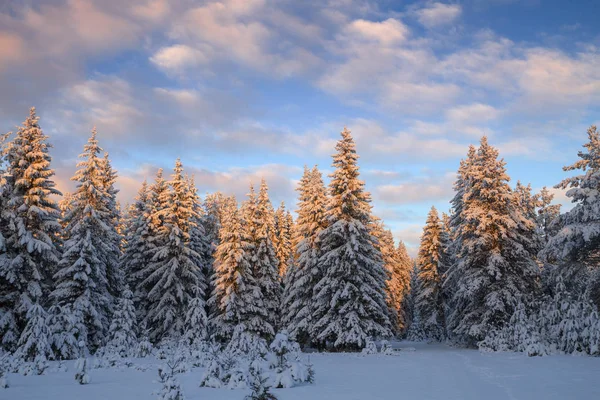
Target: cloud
[[178, 58], [386, 32], [420, 189], [438, 14]]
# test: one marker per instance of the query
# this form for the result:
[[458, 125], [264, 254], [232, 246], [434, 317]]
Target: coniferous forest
[[215, 279]]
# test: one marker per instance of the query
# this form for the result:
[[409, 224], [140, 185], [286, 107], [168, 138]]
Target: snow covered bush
[[259, 386], [170, 390], [287, 368], [82, 375], [370, 348], [386, 348]]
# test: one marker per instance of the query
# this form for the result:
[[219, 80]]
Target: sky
[[247, 89]]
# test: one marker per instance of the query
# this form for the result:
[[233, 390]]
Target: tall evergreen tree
[[174, 277], [237, 297], [30, 228], [259, 225], [457, 218], [350, 298], [495, 267], [148, 238], [298, 304], [400, 287], [429, 299], [114, 273], [211, 217], [575, 247], [283, 232], [82, 282], [547, 214]]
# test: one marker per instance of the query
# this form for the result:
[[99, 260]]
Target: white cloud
[[438, 14], [178, 58]]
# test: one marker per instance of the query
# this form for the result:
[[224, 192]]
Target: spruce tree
[[400, 287], [30, 230], [301, 279], [350, 298], [461, 186], [547, 214], [114, 273], [135, 251], [35, 341], [82, 282], [264, 260], [211, 217], [429, 299], [174, 277], [494, 267], [237, 298], [575, 246], [122, 336], [283, 231], [149, 238]]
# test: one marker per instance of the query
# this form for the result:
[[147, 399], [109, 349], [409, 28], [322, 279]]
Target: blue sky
[[242, 90]]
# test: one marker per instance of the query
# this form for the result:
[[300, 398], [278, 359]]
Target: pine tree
[[82, 282], [385, 244], [30, 228], [237, 297], [114, 274], [528, 204], [34, 343], [301, 279], [264, 260], [547, 213], [122, 336], [283, 231], [211, 217], [461, 186], [135, 251], [494, 264], [174, 277], [400, 287], [64, 329], [148, 238], [575, 246], [350, 298], [429, 300]]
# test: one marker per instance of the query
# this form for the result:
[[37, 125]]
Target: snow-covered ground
[[428, 372]]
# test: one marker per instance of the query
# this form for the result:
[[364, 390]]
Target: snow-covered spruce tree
[[150, 239], [174, 277], [575, 248], [429, 299], [547, 213], [63, 329], [122, 336], [237, 298], [136, 249], [298, 303], [283, 231], [399, 287], [81, 282], [114, 273], [527, 202], [385, 245], [494, 264], [211, 217], [414, 330], [461, 186], [350, 298], [30, 228], [34, 343], [264, 260], [288, 370]]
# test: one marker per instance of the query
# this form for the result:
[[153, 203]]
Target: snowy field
[[428, 372]]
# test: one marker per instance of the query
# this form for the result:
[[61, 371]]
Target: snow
[[431, 371]]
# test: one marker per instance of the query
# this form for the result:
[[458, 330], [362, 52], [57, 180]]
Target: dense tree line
[[504, 270]]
